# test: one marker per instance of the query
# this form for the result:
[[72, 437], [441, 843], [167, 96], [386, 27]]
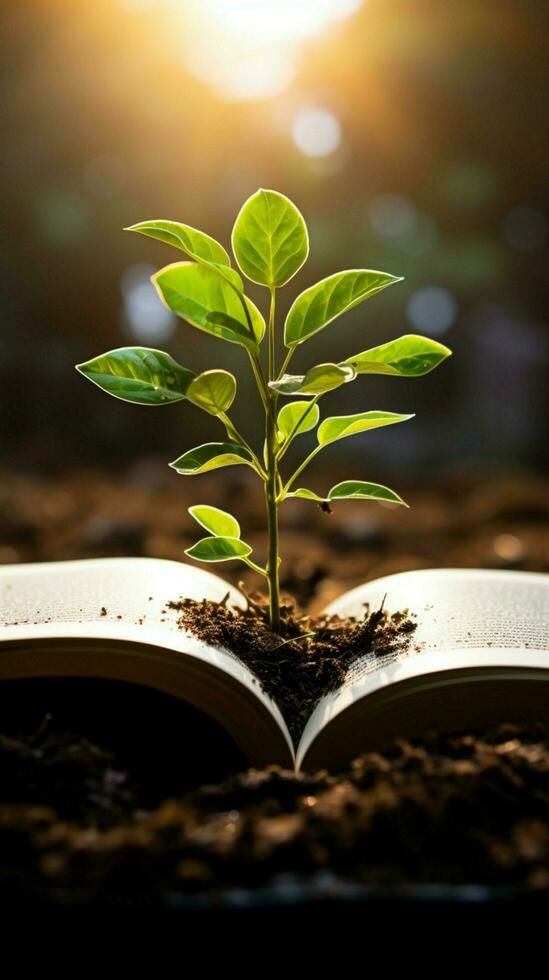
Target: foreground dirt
[[457, 809]]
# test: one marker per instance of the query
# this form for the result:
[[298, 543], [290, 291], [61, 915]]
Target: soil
[[309, 657], [95, 810], [453, 809]]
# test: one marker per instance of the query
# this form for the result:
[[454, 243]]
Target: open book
[[480, 652]]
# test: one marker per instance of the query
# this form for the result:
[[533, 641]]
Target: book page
[[109, 618], [464, 617]]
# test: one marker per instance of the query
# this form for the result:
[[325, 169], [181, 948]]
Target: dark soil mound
[[309, 657]]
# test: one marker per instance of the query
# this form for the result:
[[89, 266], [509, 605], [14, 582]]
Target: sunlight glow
[[276, 20], [137, 6], [257, 75], [250, 49]]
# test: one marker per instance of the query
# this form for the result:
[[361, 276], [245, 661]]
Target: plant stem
[[259, 380], [287, 360], [256, 568], [272, 484], [273, 562]]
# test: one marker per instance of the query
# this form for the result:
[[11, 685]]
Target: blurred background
[[412, 134]]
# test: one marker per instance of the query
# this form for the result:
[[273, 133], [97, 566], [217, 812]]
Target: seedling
[[270, 243]]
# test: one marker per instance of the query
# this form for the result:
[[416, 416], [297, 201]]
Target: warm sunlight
[[276, 20], [249, 49]]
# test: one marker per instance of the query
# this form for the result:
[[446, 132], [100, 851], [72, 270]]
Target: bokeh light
[[316, 132], [432, 309], [145, 319]]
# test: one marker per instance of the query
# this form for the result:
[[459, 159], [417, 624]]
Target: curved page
[[108, 618], [472, 624]]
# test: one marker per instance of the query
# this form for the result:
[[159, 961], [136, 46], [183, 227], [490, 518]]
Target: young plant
[[270, 243]]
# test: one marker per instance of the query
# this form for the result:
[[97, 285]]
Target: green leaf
[[317, 306], [270, 239], [211, 456], [317, 381], [219, 549], [305, 494], [289, 418], [198, 246], [196, 293], [410, 356], [358, 490], [351, 490], [140, 375], [342, 426], [194, 243], [224, 320], [214, 391], [216, 521]]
